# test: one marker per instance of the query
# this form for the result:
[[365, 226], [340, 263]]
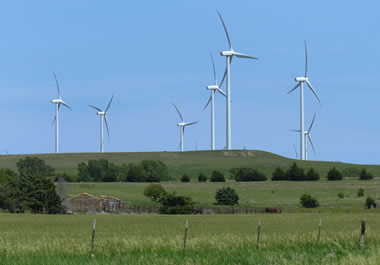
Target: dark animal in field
[[272, 210]]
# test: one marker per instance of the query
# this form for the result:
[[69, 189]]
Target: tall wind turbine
[[301, 81], [213, 89], [229, 54], [103, 117], [182, 126], [57, 103], [307, 135]]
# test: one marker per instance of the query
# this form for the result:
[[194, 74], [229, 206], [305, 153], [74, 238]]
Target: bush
[[368, 202], [6, 175], [365, 175], [133, 173], [334, 174], [279, 174], [295, 173], [155, 170], [217, 176], [351, 172], [360, 192], [185, 178], [247, 174], [341, 195], [312, 175], [154, 191], [173, 204], [226, 196], [202, 177], [308, 202], [34, 166]]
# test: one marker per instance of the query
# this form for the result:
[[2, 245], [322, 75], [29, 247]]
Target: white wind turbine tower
[[307, 135], [301, 81], [229, 54], [103, 117], [182, 126], [57, 103], [213, 89]]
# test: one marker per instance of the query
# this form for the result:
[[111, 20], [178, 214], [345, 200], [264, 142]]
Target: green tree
[[365, 175], [247, 174], [202, 177], [226, 196], [135, 173], [311, 175], [217, 176], [368, 202], [360, 192], [185, 178], [334, 174], [155, 170], [308, 202], [154, 191], [83, 172], [295, 173], [173, 204], [279, 174], [6, 174], [34, 166]]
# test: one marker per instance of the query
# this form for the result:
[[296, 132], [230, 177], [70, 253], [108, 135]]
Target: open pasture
[[212, 239]]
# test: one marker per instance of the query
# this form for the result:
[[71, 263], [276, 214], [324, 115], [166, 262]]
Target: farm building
[[85, 202]]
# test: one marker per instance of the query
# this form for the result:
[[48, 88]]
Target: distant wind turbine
[[103, 116], [229, 54], [182, 126], [307, 134], [301, 81], [295, 150], [58, 102], [213, 89]]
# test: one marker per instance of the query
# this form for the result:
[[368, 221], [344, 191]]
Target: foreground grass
[[212, 239], [257, 194]]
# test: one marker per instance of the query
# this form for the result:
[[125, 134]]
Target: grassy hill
[[191, 162]]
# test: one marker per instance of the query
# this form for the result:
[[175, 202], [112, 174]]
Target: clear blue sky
[[153, 53]]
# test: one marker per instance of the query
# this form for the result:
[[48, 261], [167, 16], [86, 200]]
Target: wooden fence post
[[361, 244], [185, 238], [319, 229], [93, 239], [258, 234]]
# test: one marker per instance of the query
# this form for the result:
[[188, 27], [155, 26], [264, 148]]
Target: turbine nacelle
[[57, 101], [227, 53], [301, 79], [181, 124], [212, 87], [101, 113]]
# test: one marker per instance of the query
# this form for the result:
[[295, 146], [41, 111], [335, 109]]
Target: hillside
[[191, 162]]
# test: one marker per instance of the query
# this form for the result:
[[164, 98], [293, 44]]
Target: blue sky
[[153, 53]]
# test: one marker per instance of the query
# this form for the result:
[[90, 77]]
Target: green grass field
[[187, 162], [256, 194], [212, 239]]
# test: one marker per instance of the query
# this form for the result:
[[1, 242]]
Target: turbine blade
[[179, 113], [55, 117], [242, 55], [56, 81], [191, 123], [208, 102], [312, 89], [96, 108], [305, 59], [221, 92], [295, 150], [109, 104], [311, 142], [225, 29], [296, 130], [106, 122], [67, 106], [213, 67], [294, 88], [312, 122], [225, 74]]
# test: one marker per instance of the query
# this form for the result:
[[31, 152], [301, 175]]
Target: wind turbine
[[57, 103], [306, 135], [103, 116], [229, 54], [213, 89], [301, 81], [182, 126]]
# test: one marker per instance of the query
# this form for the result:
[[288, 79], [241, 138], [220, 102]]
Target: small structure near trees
[[85, 202]]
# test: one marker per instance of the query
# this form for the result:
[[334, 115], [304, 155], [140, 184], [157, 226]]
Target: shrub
[[134, 173], [202, 177], [295, 173], [6, 174], [155, 170], [334, 174], [185, 178], [154, 191], [173, 204], [34, 166], [226, 196], [247, 174], [368, 202], [217, 176], [351, 172], [365, 175], [279, 174], [341, 195], [308, 202], [360, 192], [312, 175]]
